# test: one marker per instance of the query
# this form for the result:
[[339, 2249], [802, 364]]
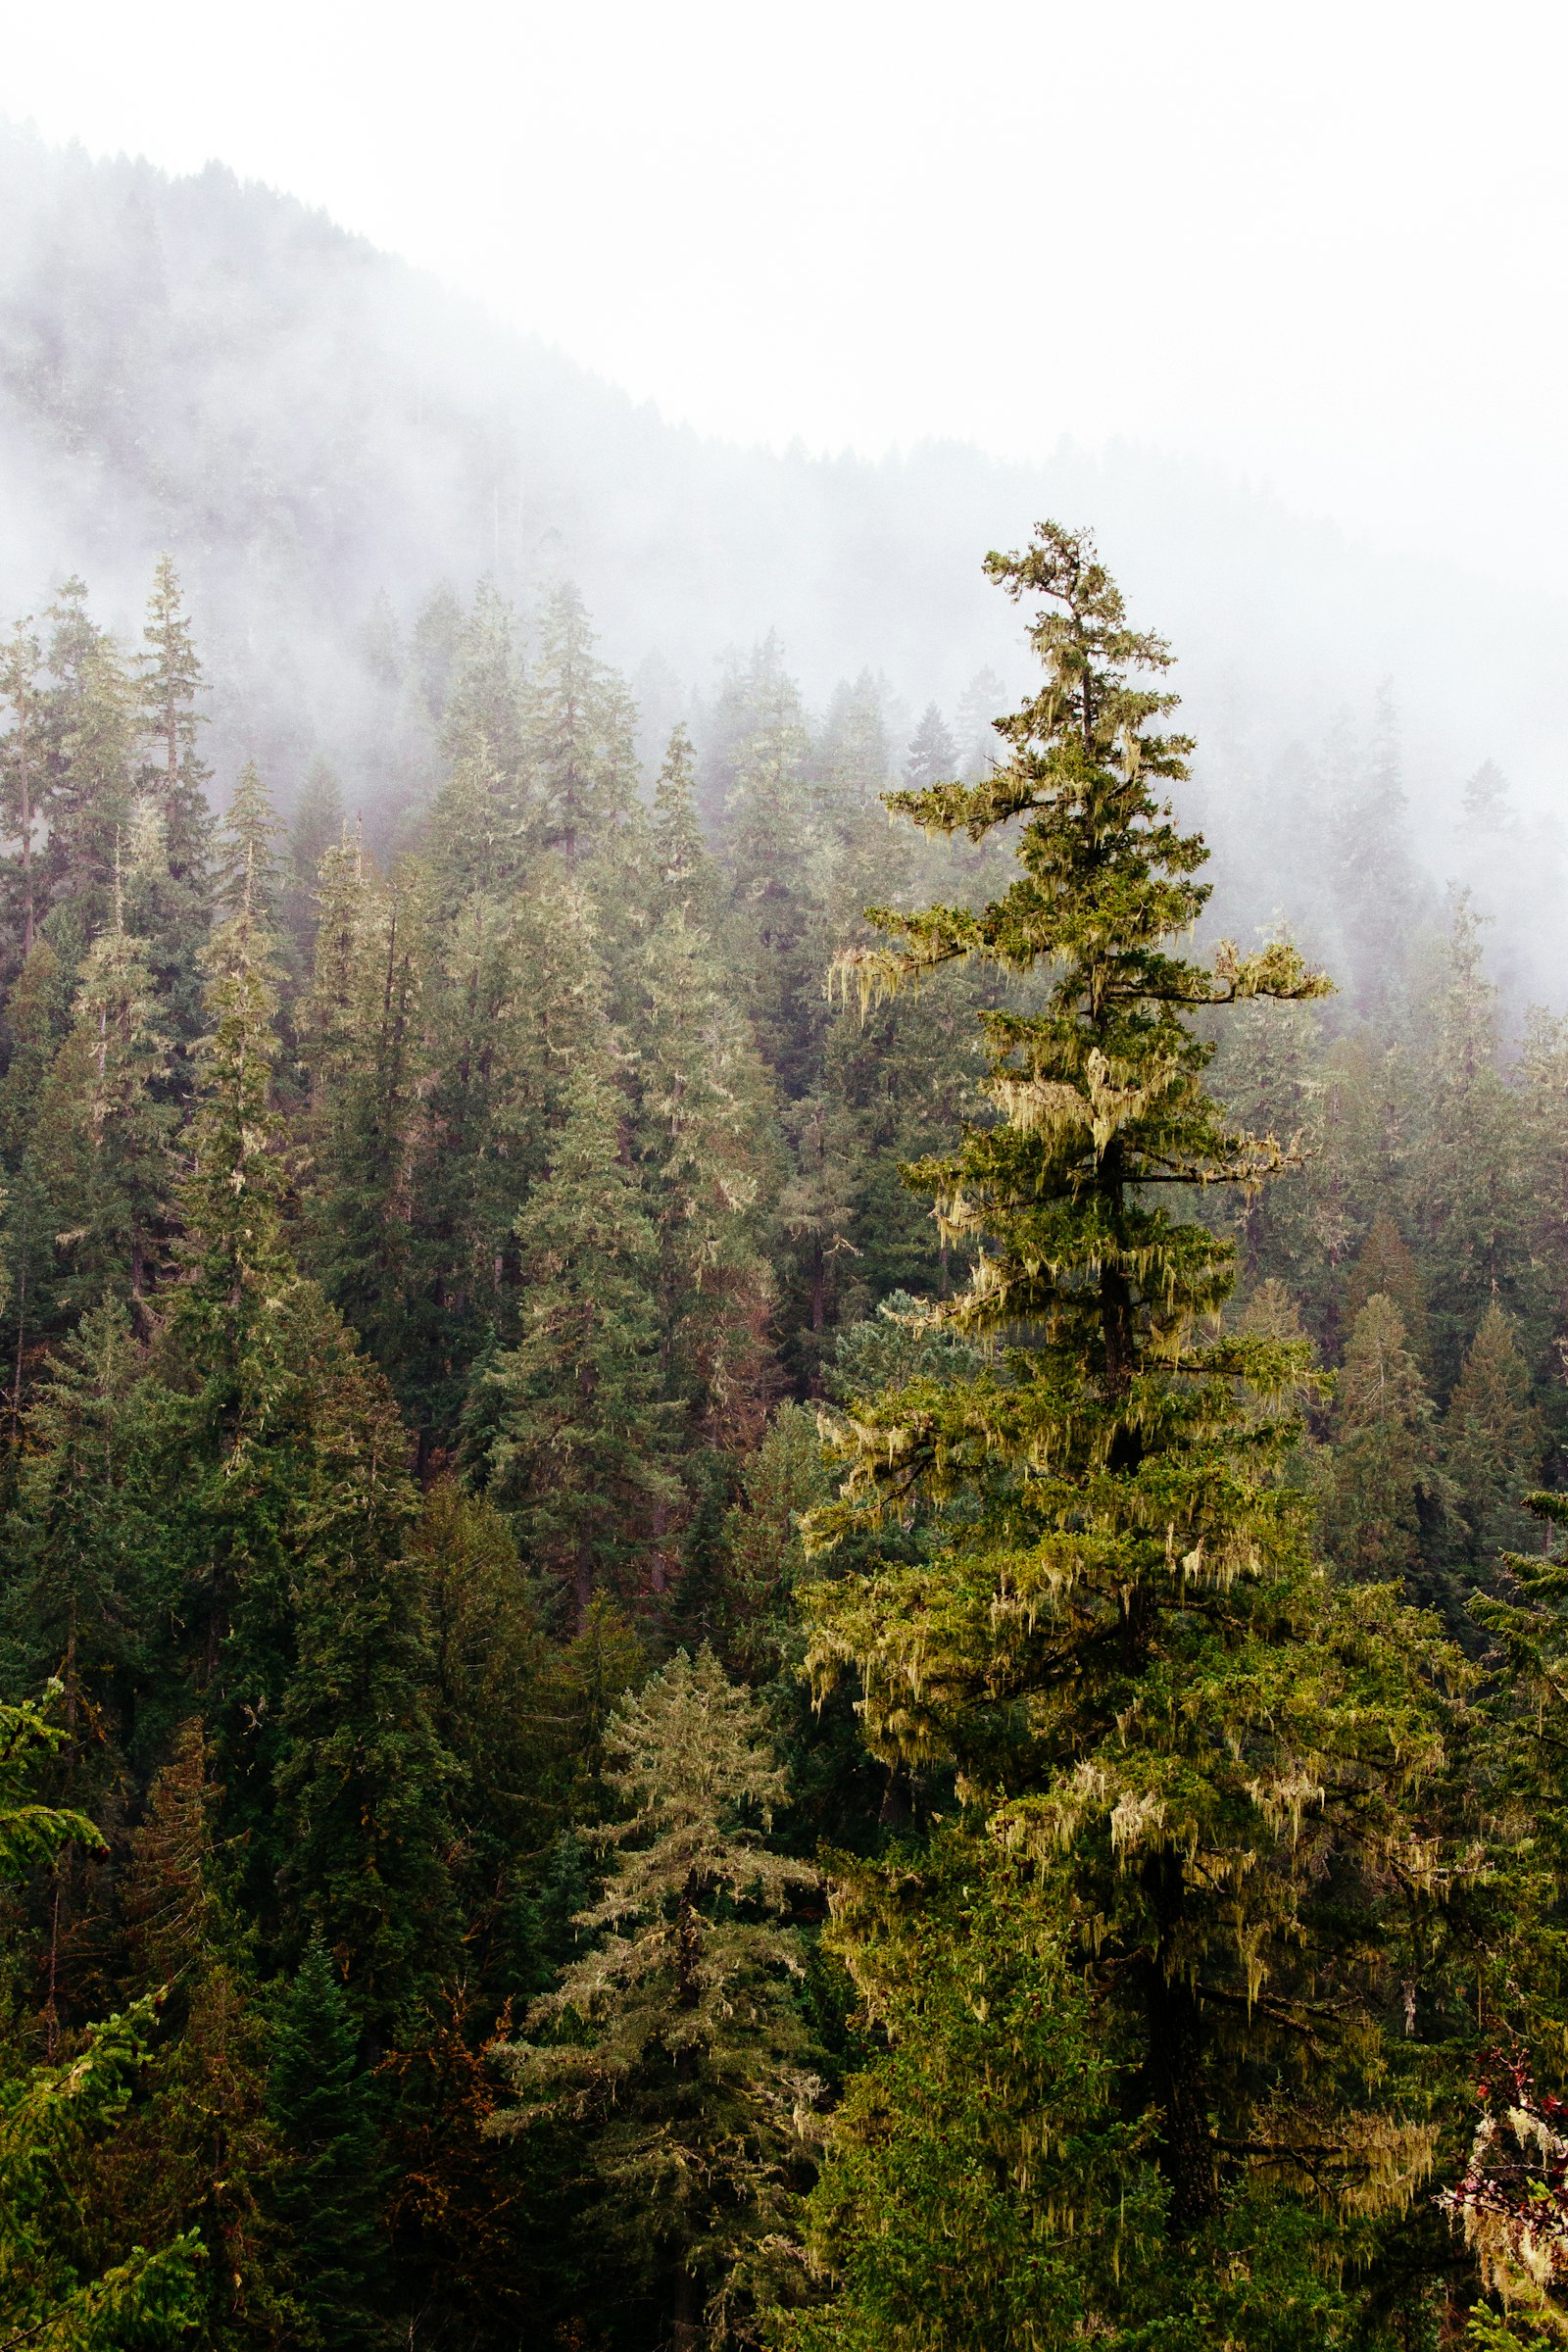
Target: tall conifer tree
[[1117, 1639]]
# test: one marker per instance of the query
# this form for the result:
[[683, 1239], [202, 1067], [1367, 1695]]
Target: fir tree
[[979, 751], [364, 1050], [199, 2148], [359, 1779], [691, 2083], [818, 1204], [233, 1196], [481, 697], [771, 852], [706, 1153], [171, 684], [87, 1586], [93, 731], [1484, 804], [954, 2193], [1378, 894], [124, 1053]]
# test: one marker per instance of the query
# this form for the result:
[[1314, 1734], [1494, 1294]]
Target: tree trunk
[[684, 2334], [1173, 2069]]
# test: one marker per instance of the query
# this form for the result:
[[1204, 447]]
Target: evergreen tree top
[[681, 854], [1101, 1092], [250, 825]]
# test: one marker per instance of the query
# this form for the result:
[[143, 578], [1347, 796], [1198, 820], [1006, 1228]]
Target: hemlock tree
[[688, 2073], [1116, 1638]]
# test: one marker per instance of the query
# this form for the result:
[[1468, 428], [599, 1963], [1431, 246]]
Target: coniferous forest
[[778, 1569]]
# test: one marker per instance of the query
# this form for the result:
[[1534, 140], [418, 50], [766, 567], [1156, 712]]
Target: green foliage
[[31, 1832], [965, 2201], [321, 2103], [681, 2057], [1117, 1639], [1385, 1453], [411, 1342], [574, 1441], [50, 2293]]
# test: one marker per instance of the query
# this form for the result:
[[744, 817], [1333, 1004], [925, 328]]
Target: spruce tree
[[689, 2079], [1114, 1633]]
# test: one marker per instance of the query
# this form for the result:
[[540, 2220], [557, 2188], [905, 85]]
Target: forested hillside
[[728, 1621], [335, 450]]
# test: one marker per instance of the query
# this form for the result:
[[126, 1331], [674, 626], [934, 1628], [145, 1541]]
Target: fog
[[751, 329]]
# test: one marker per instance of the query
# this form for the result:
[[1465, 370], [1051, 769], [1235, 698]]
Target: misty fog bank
[[323, 436]]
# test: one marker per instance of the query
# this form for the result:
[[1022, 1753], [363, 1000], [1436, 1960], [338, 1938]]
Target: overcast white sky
[[1323, 244]]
